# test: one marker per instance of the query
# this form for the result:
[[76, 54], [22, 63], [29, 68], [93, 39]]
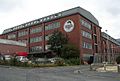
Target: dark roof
[[82, 12]]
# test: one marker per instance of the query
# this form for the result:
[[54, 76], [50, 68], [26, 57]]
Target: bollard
[[104, 65], [118, 68], [91, 67]]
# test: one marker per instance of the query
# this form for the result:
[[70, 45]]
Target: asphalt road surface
[[56, 74]]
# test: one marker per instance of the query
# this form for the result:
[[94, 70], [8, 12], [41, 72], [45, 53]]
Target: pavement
[[67, 73]]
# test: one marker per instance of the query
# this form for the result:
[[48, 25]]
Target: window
[[36, 49], [48, 36], [23, 41], [36, 30], [87, 45], [22, 33], [95, 39], [11, 36], [47, 47], [35, 39], [86, 24], [52, 26], [86, 34]]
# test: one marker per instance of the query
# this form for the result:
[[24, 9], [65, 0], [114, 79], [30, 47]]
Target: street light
[[108, 55]]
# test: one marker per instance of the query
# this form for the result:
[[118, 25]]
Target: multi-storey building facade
[[110, 48], [81, 27]]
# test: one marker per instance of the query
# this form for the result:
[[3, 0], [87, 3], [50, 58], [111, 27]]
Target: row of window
[[23, 41], [32, 31], [86, 34], [85, 24], [32, 40], [40, 48], [36, 49], [48, 36], [52, 26], [87, 45], [35, 30], [12, 36], [35, 39], [22, 33]]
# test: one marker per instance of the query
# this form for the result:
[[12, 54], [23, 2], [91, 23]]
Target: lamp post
[[108, 54]]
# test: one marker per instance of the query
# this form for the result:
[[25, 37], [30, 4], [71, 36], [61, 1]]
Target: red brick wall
[[75, 36], [11, 49]]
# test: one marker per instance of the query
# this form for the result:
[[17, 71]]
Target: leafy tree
[[57, 40], [69, 51]]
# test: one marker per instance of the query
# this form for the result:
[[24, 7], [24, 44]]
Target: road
[[69, 73]]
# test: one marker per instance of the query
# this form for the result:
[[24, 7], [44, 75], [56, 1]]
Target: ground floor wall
[[11, 49]]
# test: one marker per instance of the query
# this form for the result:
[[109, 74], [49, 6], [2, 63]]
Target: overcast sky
[[16, 12]]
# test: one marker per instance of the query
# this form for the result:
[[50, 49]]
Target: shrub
[[73, 61], [118, 60], [60, 62], [12, 61], [69, 51]]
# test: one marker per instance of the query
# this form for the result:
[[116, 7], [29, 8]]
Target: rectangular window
[[35, 39], [85, 24], [87, 45], [48, 36], [23, 41], [36, 49], [86, 34], [11, 36], [95, 39], [47, 47], [22, 33], [52, 26], [35, 30]]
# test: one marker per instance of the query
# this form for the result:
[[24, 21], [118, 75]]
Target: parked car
[[41, 60], [22, 58], [55, 59], [1, 57], [7, 57]]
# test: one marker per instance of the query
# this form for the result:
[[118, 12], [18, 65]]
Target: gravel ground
[[68, 73]]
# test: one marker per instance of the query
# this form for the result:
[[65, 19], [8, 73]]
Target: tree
[[69, 51], [57, 40]]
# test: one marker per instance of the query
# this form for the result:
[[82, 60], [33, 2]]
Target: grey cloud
[[8, 5], [115, 11], [111, 6], [114, 7]]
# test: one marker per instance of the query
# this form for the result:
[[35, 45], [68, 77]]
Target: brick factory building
[[110, 48], [81, 27], [9, 47]]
